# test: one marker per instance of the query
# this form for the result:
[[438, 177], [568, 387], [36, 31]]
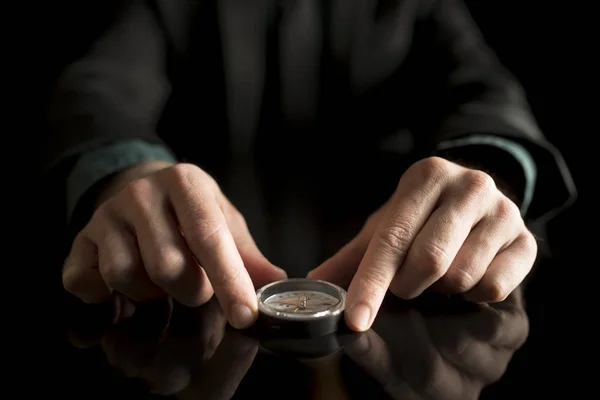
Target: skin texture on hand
[[446, 227], [168, 230]]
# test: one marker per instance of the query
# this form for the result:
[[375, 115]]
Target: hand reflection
[[447, 356], [194, 358]]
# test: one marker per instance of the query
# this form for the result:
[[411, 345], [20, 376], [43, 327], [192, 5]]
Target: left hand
[[446, 227]]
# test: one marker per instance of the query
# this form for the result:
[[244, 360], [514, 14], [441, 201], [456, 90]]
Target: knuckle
[[433, 259], [69, 279], [118, 273], [103, 213], [75, 284], [189, 176], [459, 280], [139, 189], [431, 170], [486, 244], [507, 211], [494, 291], [71, 272], [166, 266], [397, 237], [530, 243], [183, 171], [138, 193], [478, 182]]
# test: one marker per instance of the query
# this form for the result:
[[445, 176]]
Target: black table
[[434, 347]]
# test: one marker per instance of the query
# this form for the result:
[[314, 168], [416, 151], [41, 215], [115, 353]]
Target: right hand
[[169, 230]]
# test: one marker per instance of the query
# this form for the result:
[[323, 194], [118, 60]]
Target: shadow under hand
[[421, 352], [172, 350]]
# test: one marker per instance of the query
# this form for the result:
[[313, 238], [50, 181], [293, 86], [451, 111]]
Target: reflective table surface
[[434, 347]]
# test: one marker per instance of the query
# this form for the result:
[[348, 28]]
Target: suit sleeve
[[116, 92], [478, 113], [104, 108], [103, 112]]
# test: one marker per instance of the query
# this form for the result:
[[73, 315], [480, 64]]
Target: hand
[[169, 230], [176, 351], [445, 356], [446, 227]]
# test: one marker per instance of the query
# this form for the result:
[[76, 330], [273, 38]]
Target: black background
[[543, 45]]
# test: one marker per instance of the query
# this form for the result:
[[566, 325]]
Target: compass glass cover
[[301, 302]]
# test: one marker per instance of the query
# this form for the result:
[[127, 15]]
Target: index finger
[[206, 232], [405, 216]]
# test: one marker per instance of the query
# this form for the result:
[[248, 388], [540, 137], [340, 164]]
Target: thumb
[[261, 270], [341, 267]]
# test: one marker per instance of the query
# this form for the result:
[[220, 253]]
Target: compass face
[[301, 299], [301, 302]]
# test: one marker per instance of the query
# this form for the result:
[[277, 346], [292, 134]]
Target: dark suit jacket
[[346, 78]]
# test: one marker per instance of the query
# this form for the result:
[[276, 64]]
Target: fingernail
[[359, 316], [241, 316]]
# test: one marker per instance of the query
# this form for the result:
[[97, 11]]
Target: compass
[[301, 307]]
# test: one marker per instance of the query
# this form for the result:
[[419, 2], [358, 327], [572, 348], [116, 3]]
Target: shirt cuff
[[514, 149], [97, 164]]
